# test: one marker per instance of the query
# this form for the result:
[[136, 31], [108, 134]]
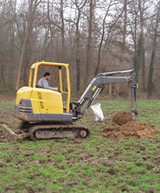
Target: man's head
[[47, 75]]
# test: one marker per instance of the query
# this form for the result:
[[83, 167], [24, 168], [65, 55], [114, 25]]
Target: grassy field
[[93, 165]]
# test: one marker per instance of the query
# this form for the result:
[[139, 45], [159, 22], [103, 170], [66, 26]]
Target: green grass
[[93, 165], [6, 106]]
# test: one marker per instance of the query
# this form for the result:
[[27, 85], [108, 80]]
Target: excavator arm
[[96, 85]]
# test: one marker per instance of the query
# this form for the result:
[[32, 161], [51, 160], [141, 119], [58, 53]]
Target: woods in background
[[91, 35]]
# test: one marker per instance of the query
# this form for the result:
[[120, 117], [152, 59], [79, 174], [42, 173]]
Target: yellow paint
[[60, 80], [42, 100], [94, 88], [30, 77], [68, 90], [23, 93], [45, 100], [35, 77]]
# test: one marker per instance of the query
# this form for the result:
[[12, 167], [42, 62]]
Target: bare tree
[[141, 9], [91, 35], [153, 54], [124, 32], [33, 4], [102, 37], [137, 12], [79, 7], [92, 5], [7, 40], [62, 29]]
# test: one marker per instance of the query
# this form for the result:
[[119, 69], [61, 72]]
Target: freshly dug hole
[[122, 118], [131, 129]]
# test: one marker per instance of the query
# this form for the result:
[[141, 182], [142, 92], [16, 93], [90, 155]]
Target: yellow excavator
[[43, 113]]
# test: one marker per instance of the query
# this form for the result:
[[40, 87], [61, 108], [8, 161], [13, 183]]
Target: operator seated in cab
[[43, 82]]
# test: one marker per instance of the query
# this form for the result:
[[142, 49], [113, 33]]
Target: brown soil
[[131, 129], [7, 117], [4, 137], [122, 118]]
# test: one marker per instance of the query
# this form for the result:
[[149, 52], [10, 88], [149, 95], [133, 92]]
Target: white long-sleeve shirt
[[43, 83]]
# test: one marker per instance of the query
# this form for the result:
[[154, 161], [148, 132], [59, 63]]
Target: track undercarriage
[[42, 131]]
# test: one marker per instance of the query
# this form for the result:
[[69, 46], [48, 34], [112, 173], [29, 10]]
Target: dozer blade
[[45, 132]]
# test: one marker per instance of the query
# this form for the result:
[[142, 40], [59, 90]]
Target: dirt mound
[[122, 118], [131, 129]]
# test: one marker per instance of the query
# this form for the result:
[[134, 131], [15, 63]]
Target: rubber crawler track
[[45, 132]]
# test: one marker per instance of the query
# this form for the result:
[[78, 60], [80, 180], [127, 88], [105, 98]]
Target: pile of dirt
[[138, 130], [122, 118]]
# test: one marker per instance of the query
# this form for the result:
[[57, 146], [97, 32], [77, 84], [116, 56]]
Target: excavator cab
[[37, 104]]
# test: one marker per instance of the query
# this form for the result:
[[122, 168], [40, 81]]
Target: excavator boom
[[97, 84]]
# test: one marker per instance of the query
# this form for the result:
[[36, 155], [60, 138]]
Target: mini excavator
[[42, 112]]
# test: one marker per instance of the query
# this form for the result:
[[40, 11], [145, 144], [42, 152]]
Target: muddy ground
[[126, 126], [77, 165], [7, 117]]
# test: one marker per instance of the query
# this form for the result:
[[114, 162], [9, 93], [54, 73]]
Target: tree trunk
[[31, 12], [151, 66], [141, 8], [77, 42], [78, 60], [102, 39], [139, 56], [62, 31], [2, 77], [21, 58], [143, 72], [89, 42], [124, 33]]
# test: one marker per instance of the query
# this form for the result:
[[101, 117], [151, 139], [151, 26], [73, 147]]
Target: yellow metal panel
[[35, 77], [68, 89], [94, 88], [30, 77], [46, 101], [60, 80], [23, 93], [48, 64]]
